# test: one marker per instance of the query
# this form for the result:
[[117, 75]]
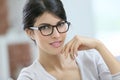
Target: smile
[[56, 44]]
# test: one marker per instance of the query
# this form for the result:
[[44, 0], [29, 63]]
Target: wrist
[[99, 45]]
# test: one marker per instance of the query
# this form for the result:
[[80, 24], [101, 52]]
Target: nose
[[55, 34]]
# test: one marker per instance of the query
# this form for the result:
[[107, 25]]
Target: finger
[[67, 48], [76, 48], [72, 56], [72, 49]]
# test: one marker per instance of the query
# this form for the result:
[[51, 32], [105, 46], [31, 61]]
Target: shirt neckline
[[49, 75]]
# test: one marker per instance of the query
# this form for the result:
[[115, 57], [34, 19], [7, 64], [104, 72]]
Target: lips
[[56, 44]]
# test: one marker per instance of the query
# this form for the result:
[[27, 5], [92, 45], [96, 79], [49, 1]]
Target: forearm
[[109, 59]]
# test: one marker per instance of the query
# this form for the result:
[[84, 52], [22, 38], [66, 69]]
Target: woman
[[81, 58]]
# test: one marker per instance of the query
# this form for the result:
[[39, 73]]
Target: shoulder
[[29, 73], [92, 63], [93, 59]]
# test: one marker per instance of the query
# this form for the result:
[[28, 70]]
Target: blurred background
[[93, 18]]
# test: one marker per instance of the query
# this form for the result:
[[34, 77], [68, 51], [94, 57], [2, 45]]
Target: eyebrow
[[49, 24]]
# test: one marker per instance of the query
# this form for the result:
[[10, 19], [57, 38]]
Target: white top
[[92, 67]]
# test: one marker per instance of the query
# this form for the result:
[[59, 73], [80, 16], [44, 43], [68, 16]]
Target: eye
[[44, 27], [61, 24]]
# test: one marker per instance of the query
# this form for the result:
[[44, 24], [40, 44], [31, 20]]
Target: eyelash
[[43, 27]]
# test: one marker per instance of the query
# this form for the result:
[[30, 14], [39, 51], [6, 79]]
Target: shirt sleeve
[[104, 72], [116, 76]]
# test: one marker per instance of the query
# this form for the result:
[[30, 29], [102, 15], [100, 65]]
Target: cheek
[[38, 38], [41, 40], [64, 35]]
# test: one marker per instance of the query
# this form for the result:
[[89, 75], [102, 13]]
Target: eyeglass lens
[[48, 29]]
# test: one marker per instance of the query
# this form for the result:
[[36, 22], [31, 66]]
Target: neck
[[54, 62]]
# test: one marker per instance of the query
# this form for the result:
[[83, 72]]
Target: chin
[[56, 51]]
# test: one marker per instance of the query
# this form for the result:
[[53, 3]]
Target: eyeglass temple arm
[[35, 28]]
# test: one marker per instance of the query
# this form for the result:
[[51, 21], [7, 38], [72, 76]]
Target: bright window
[[107, 22]]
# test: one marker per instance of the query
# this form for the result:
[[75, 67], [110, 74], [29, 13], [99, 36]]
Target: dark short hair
[[35, 8]]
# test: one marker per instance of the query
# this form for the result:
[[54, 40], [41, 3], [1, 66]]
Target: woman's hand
[[79, 43]]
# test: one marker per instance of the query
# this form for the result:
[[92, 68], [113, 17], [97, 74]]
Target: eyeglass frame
[[38, 28]]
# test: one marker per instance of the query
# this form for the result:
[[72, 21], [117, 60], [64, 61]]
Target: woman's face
[[53, 43]]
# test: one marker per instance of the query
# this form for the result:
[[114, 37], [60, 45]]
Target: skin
[[84, 43], [60, 61]]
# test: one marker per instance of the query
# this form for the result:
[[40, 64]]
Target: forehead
[[47, 18]]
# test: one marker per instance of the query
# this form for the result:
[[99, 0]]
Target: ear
[[30, 33]]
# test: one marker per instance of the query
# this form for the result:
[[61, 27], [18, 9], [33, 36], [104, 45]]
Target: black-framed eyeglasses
[[47, 29]]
